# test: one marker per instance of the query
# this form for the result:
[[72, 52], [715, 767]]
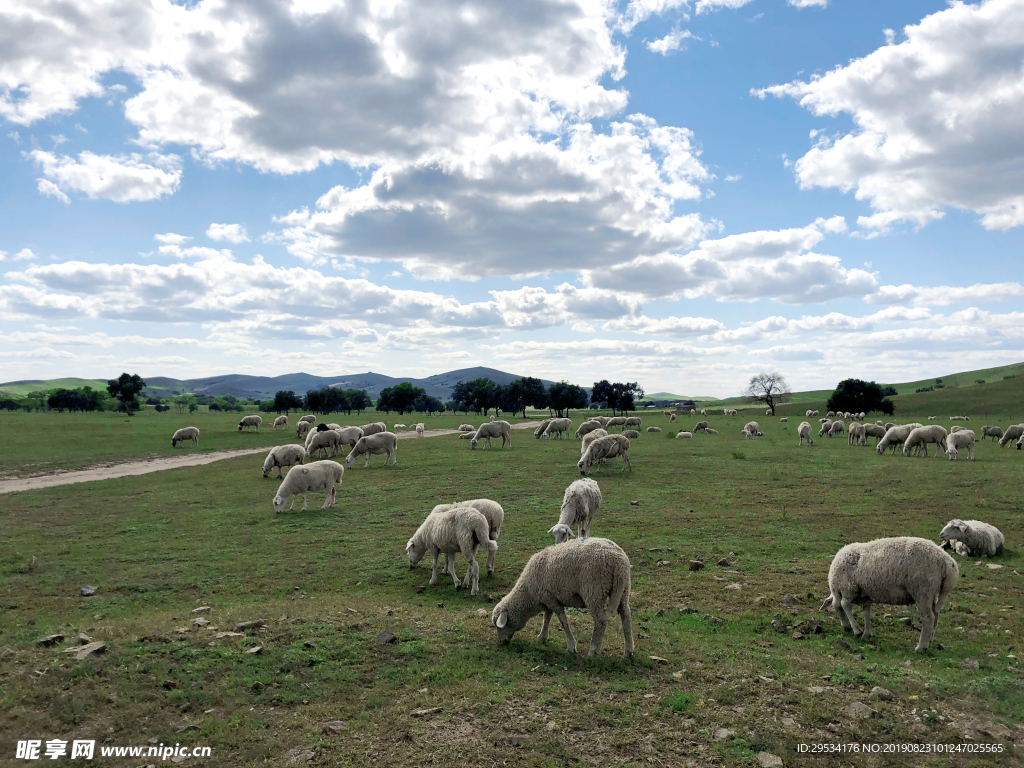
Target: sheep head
[[955, 529], [414, 551], [278, 504], [562, 532]]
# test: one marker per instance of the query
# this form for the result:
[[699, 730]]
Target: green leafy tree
[[856, 395], [602, 394], [285, 401], [400, 397], [564, 396], [125, 388]]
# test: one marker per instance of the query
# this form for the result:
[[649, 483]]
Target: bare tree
[[767, 388]]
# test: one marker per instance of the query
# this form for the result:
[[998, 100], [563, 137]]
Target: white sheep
[[700, 426], [634, 421], [398, 427], [374, 429], [287, 455], [302, 429], [591, 437], [349, 436], [957, 440], [493, 418], [280, 422], [814, 413], [584, 573], [318, 477], [616, 421], [729, 412], [931, 418], [896, 571], [784, 418], [994, 432], [328, 441], [768, 412], [895, 436], [836, 429], [607, 447], [710, 431], [693, 411], [632, 434], [500, 429], [804, 431], [919, 439], [421, 429], [373, 445], [539, 432], [684, 435], [558, 427], [654, 429], [703, 411], [1013, 432], [872, 430], [309, 418], [979, 539], [493, 513], [185, 433], [460, 529], [467, 428], [589, 426], [855, 434], [602, 420], [250, 421], [750, 430], [579, 503], [672, 417], [808, 413]]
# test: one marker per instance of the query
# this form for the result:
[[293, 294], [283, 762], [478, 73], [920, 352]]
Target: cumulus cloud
[[121, 178], [639, 11], [673, 41], [808, 3], [938, 120], [48, 189], [25, 254], [170, 238], [943, 295], [707, 6], [231, 233]]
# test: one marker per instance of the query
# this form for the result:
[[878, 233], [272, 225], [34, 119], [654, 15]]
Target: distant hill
[[670, 396], [23, 387]]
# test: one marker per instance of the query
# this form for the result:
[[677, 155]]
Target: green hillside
[[20, 389], [670, 396]]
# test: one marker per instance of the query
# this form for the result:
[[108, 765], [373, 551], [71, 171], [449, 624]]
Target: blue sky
[[684, 193]]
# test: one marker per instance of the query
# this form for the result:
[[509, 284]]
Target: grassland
[[329, 581], [20, 390]]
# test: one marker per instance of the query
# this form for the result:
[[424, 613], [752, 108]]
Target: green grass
[[328, 581], [20, 390]]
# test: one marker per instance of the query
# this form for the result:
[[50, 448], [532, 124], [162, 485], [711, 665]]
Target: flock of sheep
[[594, 573]]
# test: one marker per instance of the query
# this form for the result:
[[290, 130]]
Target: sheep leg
[[490, 560], [970, 452], [394, 456], [867, 622], [569, 639], [928, 621], [451, 570], [305, 506], [626, 462], [600, 625], [433, 570], [474, 568], [847, 606], [279, 475], [543, 636]]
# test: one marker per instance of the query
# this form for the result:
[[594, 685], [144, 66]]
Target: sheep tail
[[620, 589]]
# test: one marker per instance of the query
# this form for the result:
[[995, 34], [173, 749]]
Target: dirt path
[[131, 468]]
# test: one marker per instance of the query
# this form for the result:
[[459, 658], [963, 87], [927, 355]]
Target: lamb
[[581, 574], [318, 477], [374, 429], [460, 529], [826, 425], [919, 439], [710, 431], [372, 445], [700, 426], [634, 421], [397, 427], [1013, 432], [896, 571], [302, 429], [250, 421], [607, 447], [468, 428], [309, 418], [185, 433], [591, 437], [994, 432], [804, 431], [538, 432], [979, 539], [287, 455], [500, 429], [329, 440], [784, 418], [558, 427], [750, 430], [836, 429], [654, 429], [632, 434], [684, 435], [421, 428], [493, 513], [616, 421], [894, 436], [588, 426], [579, 503], [280, 421], [957, 440]]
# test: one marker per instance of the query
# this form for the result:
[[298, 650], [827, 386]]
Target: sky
[[680, 193]]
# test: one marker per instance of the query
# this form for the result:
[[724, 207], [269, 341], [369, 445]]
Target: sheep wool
[[373, 445], [461, 529], [632, 434], [558, 427], [895, 435], [539, 432], [280, 422], [978, 539], [250, 421], [493, 513], [589, 426], [804, 432], [919, 439], [500, 429], [579, 503], [283, 456], [185, 433], [607, 447], [589, 438], [374, 429], [318, 477], [684, 435], [1013, 432], [654, 429], [957, 440]]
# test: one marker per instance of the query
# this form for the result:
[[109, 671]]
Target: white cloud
[[733, 177], [938, 120], [121, 178], [49, 189], [170, 238], [638, 11], [232, 233], [673, 41], [943, 295], [808, 3], [707, 6]]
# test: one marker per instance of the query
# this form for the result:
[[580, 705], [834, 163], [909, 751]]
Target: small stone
[[724, 562], [229, 634], [201, 609], [489, 597], [724, 733], [664, 563], [816, 689], [88, 591], [91, 649], [310, 644], [49, 640], [481, 612], [904, 620], [792, 600], [188, 728], [733, 586], [385, 637], [334, 726], [678, 675], [654, 549], [255, 650], [882, 694], [440, 605], [758, 600], [970, 664], [779, 624], [798, 635], [155, 639], [994, 566], [552, 726], [200, 623], [841, 645], [789, 722], [83, 639], [768, 760], [859, 711], [300, 755], [814, 628], [5, 652], [696, 565], [242, 626], [425, 712], [168, 685], [658, 659]]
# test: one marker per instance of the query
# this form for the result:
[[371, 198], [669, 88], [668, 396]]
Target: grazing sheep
[[579, 503], [729, 412], [589, 438], [493, 513], [500, 429], [615, 421], [588, 426], [1013, 432], [420, 429], [685, 435], [836, 429], [896, 571], [349, 436], [855, 434], [957, 440], [493, 418], [372, 445], [460, 529], [602, 420], [250, 421], [397, 427], [814, 413], [634, 421], [894, 436], [309, 418], [467, 428], [302, 429], [931, 418], [287, 455], [607, 447], [558, 427], [750, 430], [889, 425], [957, 428], [703, 411], [768, 412], [318, 477], [700, 426], [632, 434], [784, 418], [710, 431], [979, 539], [994, 432], [539, 431], [580, 574], [808, 413], [328, 441], [373, 429], [280, 421], [826, 425], [654, 429], [919, 439], [672, 418], [804, 431], [185, 433], [830, 415], [872, 430]]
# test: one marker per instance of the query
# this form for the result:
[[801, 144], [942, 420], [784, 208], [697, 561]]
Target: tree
[[428, 404], [124, 389], [401, 397], [84, 399], [767, 388], [856, 396], [358, 400], [564, 396], [602, 394], [618, 396], [286, 401]]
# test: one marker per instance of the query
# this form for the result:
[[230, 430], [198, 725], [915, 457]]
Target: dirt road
[[131, 468]]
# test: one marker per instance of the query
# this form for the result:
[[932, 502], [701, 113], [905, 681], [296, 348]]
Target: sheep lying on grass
[[896, 571], [500, 429], [460, 529], [710, 431], [632, 434], [957, 440], [920, 438], [372, 445], [250, 421], [607, 447], [583, 573], [684, 435], [978, 539], [318, 477], [804, 431], [579, 503], [185, 433], [280, 422], [654, 429], [493, 513], [467, 428], [287, 455], [397, 427]]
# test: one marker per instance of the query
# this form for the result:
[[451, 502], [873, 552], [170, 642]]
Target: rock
[[655, 549], [664, 563], [658, 659], [200, 623], [155, 639], [49, 640], [334, 726], [489, 597], [841, 645], [5, 652], [724, 562], [813, 628], [257, 686], [221, 635], [678, 675], [385, 637], [201, 609], [168, 685], [256, 650], [482, 613], [92, 649], [768, 760], [724, 733], [712, 619], [83, 639], [425, 712], [758, 600], [87, 591], [734, 585], [994, 566], [798, 635], [882, 694], [790, 723], [310, 644], [696, 565], [792, 600], [905, 620], [242, 626], [816, 689], [859, 711], [552, 726], [299, 755], [779, 624], [970, 664]]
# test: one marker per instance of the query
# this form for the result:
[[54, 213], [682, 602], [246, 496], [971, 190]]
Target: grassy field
[[20, 390], [327, 582]]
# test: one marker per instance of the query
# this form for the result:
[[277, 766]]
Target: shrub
[[1011, 376], [925, 389], [979, 381]]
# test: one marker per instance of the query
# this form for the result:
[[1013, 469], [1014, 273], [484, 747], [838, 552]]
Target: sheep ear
[[408, 546], [502, 620]]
